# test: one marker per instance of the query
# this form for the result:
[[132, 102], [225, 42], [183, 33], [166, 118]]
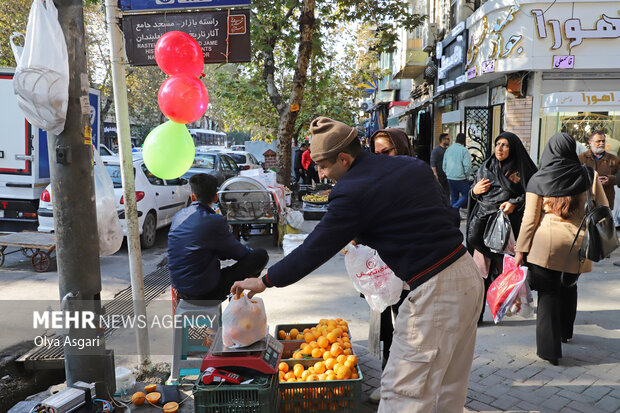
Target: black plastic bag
[[498, 236]]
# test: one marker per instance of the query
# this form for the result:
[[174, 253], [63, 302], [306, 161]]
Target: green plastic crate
[[320, 396], [260, 396]]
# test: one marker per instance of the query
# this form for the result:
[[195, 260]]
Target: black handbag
[[600, 238]]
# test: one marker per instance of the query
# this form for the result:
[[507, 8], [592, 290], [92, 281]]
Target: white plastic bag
[[41, 80], [372, 277], [108, 223], [292, 241], [244, 322], [294, 218]]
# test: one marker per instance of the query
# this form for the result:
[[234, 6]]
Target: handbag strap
[[588, 208]]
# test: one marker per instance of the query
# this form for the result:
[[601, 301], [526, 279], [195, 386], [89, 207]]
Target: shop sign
[[488, 66], [452, 61], [448, 62], [164, 5], [461, 79], [563, 62], [605, 28], [581, 99], [472, 72], [223, 36], [518, 36]]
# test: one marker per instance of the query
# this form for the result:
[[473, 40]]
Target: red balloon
[[178, 52], [183, 98]]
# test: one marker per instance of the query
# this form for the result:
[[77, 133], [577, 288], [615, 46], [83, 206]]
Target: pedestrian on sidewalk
[[437, 156], [198, 239], [300, 172], [420, 240], [310, 168], [554, 208], [457, 166], [391, 142], [606, 164], [499, 184]]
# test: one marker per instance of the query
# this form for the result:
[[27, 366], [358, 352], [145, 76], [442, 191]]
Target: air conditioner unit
[[429, 37]]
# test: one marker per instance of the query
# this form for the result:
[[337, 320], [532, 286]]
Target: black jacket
[[297, 164], [392, 204]]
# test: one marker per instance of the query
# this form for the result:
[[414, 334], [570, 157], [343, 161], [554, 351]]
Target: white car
[[157, 199], [244, 159]]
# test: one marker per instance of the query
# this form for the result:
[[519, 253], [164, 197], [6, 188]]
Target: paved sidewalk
[[508, 376]]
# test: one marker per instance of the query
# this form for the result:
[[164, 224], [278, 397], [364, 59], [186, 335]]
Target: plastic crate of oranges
[[304, 389], [315, 341]]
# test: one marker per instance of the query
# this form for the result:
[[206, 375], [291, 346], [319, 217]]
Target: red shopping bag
[[505, 288]]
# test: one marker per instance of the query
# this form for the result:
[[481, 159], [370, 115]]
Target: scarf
[[560, 172]]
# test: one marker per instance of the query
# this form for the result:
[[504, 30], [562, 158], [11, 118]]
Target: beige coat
[[546, 238]]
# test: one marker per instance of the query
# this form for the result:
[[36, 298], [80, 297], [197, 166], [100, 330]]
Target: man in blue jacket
[[457, 166], [395, 205], [198, 239]]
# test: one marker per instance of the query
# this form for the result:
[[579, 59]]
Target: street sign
[[164, 5], [224, 36]]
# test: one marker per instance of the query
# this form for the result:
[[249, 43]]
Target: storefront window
[[580, 125]]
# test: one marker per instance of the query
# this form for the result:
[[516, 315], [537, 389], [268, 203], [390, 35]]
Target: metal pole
[[75, 220], [121, 110]]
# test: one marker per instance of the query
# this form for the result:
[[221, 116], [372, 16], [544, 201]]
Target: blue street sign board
[[164, 5]]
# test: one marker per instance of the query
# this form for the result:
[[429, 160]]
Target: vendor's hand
[[482, 186], [255, 285], [604, 179], [508, 208], [519, 258]]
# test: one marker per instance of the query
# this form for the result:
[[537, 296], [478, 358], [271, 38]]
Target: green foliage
[[13, 18]]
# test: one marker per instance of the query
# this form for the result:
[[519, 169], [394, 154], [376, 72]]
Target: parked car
[[244, 159], [105, 151], [237, 148], [157, 199], [218, 164]]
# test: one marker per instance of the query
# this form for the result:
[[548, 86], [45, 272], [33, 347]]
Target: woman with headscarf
[[554, 207], [500, 184], [391, 142]]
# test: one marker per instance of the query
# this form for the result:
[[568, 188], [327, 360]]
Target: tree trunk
[[288, 117]]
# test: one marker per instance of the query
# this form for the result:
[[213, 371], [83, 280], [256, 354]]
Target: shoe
[[375, 396], [566, 340], [555, 362]]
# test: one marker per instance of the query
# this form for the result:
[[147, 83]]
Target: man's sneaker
[[375, 396]]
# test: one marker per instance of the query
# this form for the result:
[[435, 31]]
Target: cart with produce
[[38, 246], [249, 207], [314, 206]]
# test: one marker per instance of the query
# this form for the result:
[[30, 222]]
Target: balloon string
[[165, 22]]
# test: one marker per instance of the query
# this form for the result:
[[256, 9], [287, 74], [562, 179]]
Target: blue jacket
[[392, 204], [457, 162], [197, 240]]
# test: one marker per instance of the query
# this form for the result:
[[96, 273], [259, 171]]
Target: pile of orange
[[334, 368], [329, 338], [294, 334]]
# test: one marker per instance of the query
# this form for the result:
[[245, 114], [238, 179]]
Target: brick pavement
[[507, 376]]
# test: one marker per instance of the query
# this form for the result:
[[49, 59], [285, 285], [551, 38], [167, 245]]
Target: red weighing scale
[[262, 356]]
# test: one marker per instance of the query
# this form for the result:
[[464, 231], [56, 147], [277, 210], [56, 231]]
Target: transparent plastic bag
[[498, 235], [244, 322], [372, 277], [108, 223], [41, 80], [507, 288]]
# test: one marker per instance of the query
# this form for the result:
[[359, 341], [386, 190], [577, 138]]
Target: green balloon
[[169, 150]]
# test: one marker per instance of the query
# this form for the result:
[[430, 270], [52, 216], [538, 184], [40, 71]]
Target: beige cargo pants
[[434, 339]]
